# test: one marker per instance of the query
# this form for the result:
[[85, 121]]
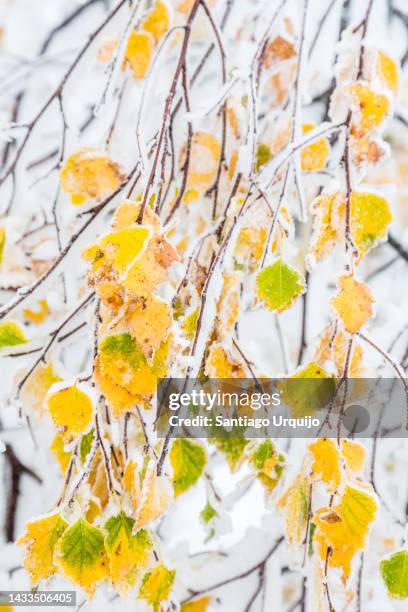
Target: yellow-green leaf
[[11, 334], [128, 553], [279, 285], [307, 391], [81, 555], [370, 217], [394, 572], [187, 460], [157, 585]]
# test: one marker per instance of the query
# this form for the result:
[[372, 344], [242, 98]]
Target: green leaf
[[81, 555], [263, 452], [86, 444], [394, 572], [157, 585], [208, 513], [279, 285], [263, 155], [188, 460], [11, 334], [233, 448]]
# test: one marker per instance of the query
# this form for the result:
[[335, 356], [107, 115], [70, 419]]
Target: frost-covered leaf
[[87, 175], [294, 506], [58, 450], [344, 527], [81, 555], [326, 462], [268, 463], [279, 286], [128, 553], [354, 454], [314, 156], [124, 374], [188, 460], [394, 572], [353, 303], [219, 364], [372, 108], [36, 388], [119, 249], [39, 540], [370, 218], [157, 585], [71, 409], [156, 497]]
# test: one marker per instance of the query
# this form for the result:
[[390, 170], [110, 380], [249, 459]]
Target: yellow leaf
[[198, 605], [58, 450], [71, 410], [334, 349], [132, 484], [37, 316], [326, 462], [120, 248], [139, 53], [219, 364], [344, 527], [278, 50], [87, 175], [40, 539], [327, 217], [159, 19], [388, 71], [157, 495], [81, 556], [228, 304], [314, 156], [149, 270], [353, 303], [204, 159], [250, 244], [157, 585], [150, 322], [354, 454], [372, 108], [294, 506], [127, 213], [370, 217]]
